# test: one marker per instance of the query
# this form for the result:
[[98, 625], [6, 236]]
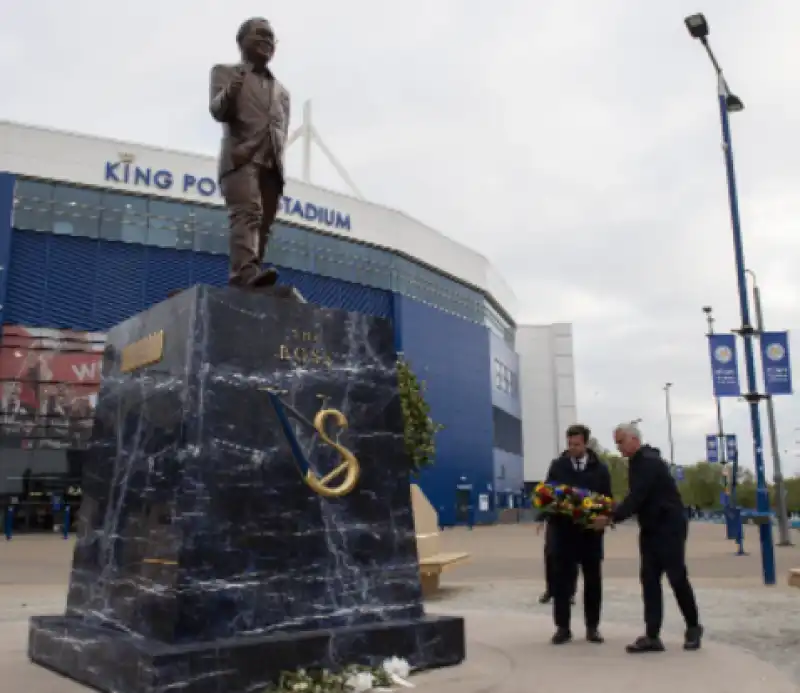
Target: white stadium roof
[[81, 159]]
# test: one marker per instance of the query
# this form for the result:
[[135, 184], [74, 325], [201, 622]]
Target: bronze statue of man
[[253, 108]]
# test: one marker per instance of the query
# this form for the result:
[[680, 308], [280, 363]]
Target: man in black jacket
[[654, 498], [573, 546]]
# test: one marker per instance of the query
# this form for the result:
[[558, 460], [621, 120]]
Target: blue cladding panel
[[209, 269], [119, 283], [63, 271], [26, 278], [164, 269], [6, 210], [452, 356], [88, 284]]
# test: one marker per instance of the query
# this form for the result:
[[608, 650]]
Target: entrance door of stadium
[[464, 505]]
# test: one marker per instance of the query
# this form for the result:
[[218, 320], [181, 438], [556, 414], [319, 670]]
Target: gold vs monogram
[[349, 465], [300, 350]]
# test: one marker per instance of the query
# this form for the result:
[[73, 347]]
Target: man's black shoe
[[561, 637], [545, 598], [268, 277], [593, 635], [645, 644], [693, 638]]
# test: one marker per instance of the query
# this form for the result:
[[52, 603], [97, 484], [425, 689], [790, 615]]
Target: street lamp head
[[733, 103], [707, 310], [697, 26]]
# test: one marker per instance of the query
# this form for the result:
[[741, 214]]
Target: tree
[[419, 428], [702, 485], [618, 468]]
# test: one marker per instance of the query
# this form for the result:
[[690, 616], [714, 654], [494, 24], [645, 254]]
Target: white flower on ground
[[398, 667], [360, 683], [398, 671]]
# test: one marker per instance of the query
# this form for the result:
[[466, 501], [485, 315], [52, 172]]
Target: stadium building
[[94, 230]]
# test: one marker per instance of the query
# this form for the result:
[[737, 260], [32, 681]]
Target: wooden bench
[[431, 569], [794, 577], [432, 561]]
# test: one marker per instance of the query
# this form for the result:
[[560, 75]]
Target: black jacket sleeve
[[551, 473], [642, 483], [542, 517], [606, 481]]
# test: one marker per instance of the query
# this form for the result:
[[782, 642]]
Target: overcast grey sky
[[575, 143]]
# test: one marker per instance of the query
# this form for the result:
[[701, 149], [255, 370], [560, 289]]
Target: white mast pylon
[[308, 134]]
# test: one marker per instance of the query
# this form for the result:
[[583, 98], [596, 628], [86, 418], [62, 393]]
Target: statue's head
[[256, 41]]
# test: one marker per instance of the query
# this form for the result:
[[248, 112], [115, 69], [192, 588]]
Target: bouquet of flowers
[[581, 505]]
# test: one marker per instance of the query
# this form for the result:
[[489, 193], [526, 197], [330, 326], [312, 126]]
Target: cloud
[[574, 143]]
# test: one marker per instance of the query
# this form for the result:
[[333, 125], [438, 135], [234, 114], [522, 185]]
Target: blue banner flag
[[724, 365], [712, 449], [731, 448], [775, 359]]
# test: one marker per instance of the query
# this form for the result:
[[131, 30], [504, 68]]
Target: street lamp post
[[780, 489], [722, 448], [708, 310], [667, 388], [729, 103]]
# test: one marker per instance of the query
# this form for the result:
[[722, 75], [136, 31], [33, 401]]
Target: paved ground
[[753, 631]]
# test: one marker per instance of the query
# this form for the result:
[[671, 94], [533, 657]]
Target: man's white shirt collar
[[580, 463]]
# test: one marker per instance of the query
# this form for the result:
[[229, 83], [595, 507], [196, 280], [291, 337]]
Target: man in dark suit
[[572, 546], [663, 529], [549, 563], [253, 108]]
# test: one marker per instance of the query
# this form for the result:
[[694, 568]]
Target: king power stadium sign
[[164, 180]]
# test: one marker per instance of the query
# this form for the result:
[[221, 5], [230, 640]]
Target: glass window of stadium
[[210, 229], [507, 431], [505, 379], [289, 247], [498, 324], [412, 281], [123, 218], [33, 205], [170, 225], [370, 266], [78, 210]]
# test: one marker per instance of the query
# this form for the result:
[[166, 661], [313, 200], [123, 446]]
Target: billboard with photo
[[49, 380]]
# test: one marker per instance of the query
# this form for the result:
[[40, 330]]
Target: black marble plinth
[[203, 560], [117, 662]]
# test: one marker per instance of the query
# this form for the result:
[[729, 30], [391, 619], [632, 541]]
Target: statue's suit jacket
[[255, 123]]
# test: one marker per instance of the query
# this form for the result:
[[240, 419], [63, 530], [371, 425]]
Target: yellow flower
[[588, 503], [537, 502], [538, 488]]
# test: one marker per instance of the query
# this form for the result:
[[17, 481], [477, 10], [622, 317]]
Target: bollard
[[8, 522], [730, 527], [739, 531], [66, 521]]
